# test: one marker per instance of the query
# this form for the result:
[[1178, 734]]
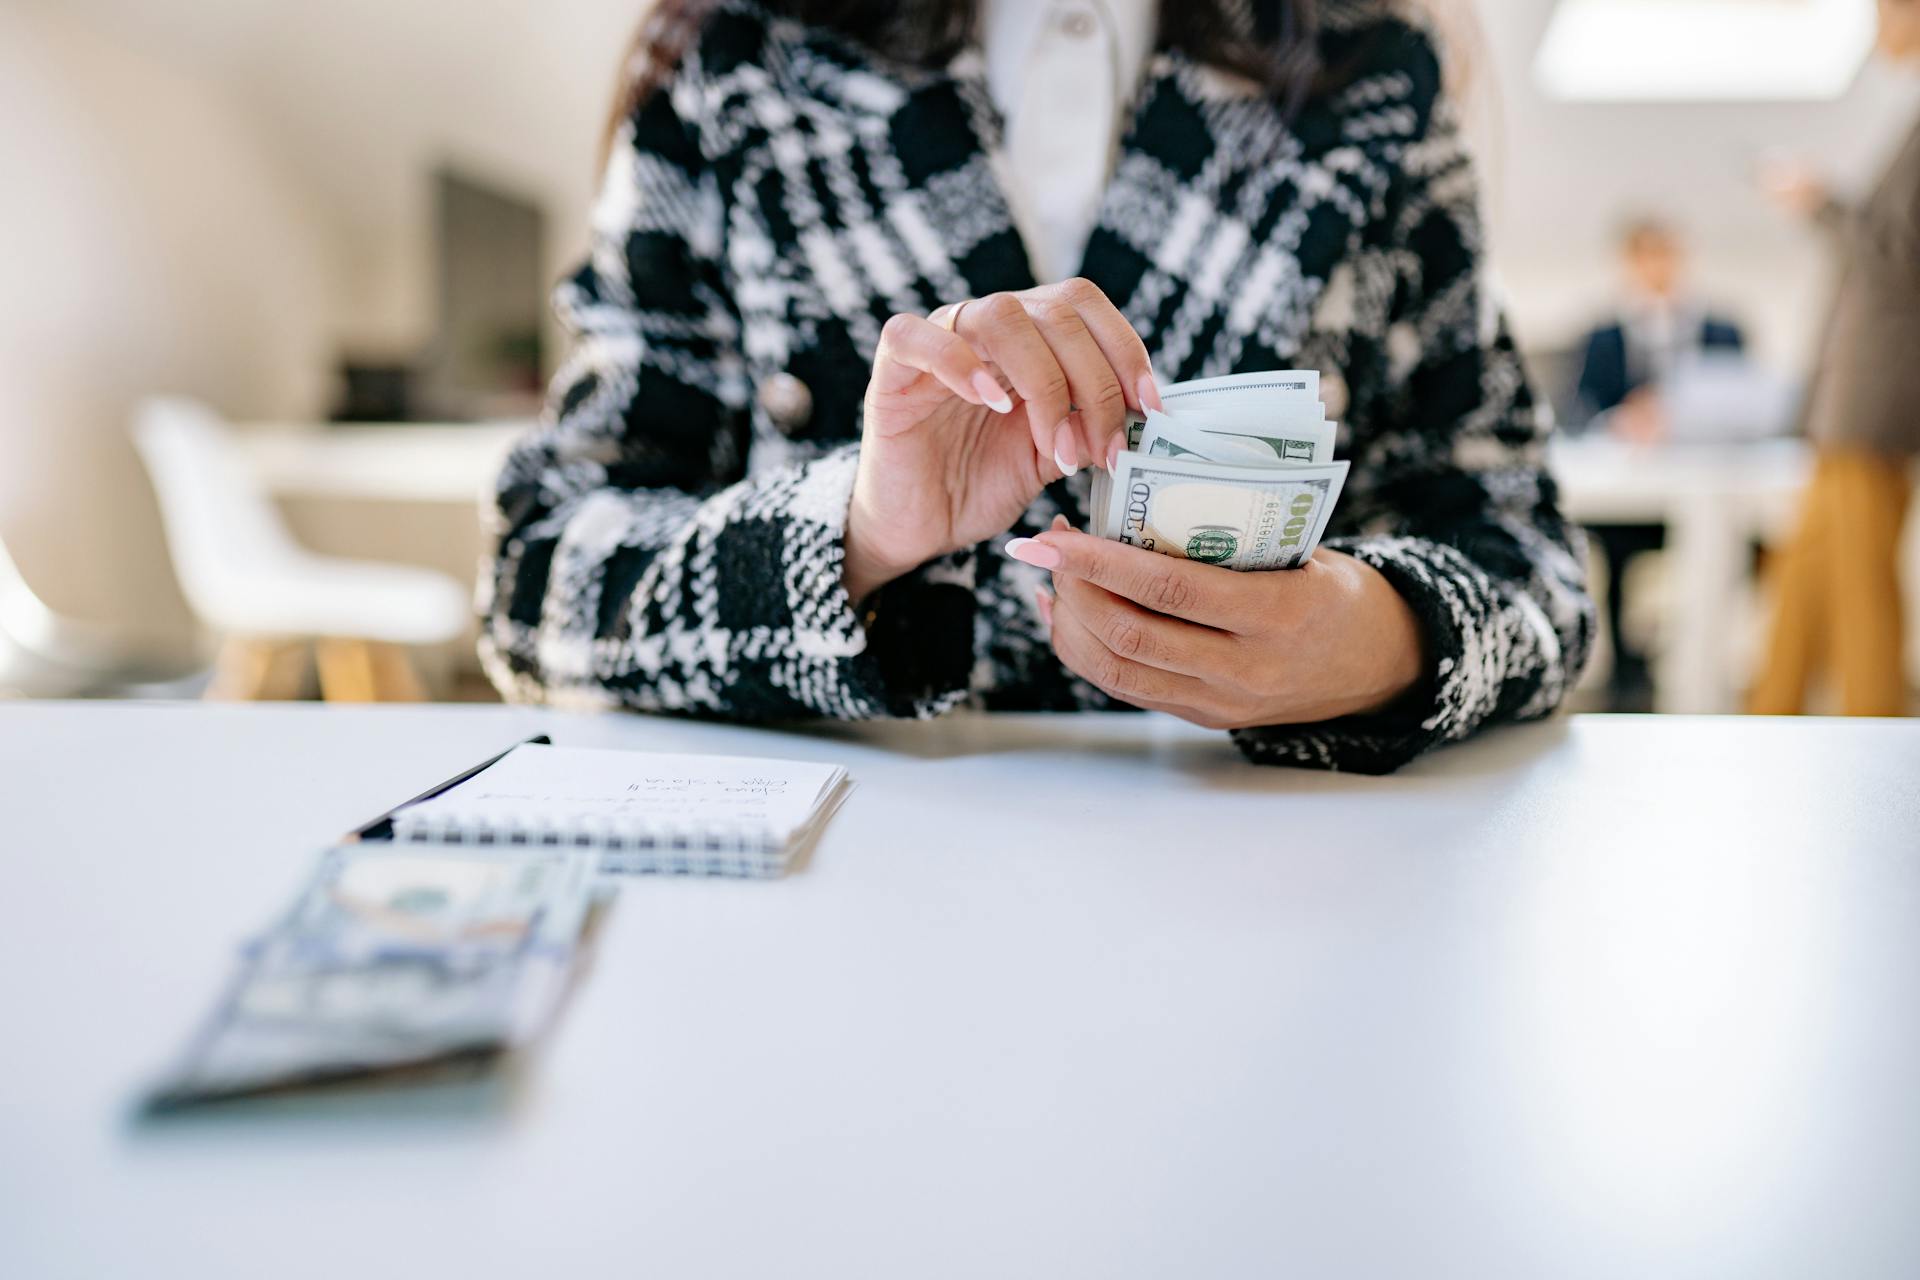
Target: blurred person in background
[[874, 284], [1657, 328], [1629, 357], [1837, 583]]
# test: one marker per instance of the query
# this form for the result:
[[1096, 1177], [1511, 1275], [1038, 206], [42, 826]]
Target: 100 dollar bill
[[394, 960], [1265, 392], [1252, 401], [1222, 513], [1237, 439]]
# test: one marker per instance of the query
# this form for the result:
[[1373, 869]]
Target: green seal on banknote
[[1212, 546]]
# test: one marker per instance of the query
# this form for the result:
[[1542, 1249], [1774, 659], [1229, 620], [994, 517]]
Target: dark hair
[[1635, 230], [1272, 42]]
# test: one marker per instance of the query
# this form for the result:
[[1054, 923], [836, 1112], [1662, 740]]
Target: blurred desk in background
[[1606, 481], [403, 462], [1716, 502], [1602, 997], [408, 493]]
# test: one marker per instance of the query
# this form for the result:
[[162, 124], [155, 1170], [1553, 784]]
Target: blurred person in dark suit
[[1838, 599], [1627, 359], [1658, 326]]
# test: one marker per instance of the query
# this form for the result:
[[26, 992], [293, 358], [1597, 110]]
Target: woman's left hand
[[1223, 649]]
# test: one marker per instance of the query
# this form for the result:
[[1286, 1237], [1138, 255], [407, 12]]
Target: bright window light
[[1703, 50]]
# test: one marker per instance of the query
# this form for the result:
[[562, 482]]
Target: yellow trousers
[[1837, 591]]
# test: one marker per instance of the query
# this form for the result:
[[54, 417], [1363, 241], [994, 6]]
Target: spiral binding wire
[[625, 848]]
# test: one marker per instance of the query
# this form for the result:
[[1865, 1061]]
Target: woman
[[819, 380]]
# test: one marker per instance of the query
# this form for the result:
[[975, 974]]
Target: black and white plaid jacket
[[670, 539]]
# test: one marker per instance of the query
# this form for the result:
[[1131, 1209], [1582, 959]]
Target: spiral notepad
[[671, 814]]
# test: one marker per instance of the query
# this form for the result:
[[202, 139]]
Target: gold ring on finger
[[950, 320]]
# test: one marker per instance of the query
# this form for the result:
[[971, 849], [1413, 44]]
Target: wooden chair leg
[[394, 677], [365, 671], [346, 670], [254, 670]]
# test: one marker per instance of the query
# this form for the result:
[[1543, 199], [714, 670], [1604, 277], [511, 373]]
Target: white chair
[[46, 655], [269, 597]]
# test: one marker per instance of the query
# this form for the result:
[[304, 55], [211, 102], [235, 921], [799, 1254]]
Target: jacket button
[[787, 402], [1333, 395]]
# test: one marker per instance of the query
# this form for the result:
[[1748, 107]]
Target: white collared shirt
[[1659, 333], [1063, 74]]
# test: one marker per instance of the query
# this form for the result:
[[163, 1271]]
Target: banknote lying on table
[[1238, 472], [395, 960]]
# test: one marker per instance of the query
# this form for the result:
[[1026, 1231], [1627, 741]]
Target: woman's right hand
[[964, 428], [1794, 186]]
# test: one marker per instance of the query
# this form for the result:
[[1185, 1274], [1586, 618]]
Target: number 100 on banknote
[[1219, 514]]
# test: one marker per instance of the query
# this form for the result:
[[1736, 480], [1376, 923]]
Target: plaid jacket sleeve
[[1461, 515], [636, 562]]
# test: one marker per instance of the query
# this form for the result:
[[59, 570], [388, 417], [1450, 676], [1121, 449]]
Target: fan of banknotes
[[395, 960], [1238, 472]]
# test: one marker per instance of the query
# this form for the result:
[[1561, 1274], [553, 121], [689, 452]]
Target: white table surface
[[1055, 997]]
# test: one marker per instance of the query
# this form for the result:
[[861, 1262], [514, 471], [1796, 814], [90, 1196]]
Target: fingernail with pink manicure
[[991, 393], [1113, 453], [1045, 603], [1066, 450], [1037, 554], [1150, 395]]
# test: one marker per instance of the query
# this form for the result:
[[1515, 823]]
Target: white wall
[[150, 240], [365, 97], [217, 197]]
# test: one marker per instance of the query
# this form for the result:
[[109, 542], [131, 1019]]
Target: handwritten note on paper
[[562, 787]]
